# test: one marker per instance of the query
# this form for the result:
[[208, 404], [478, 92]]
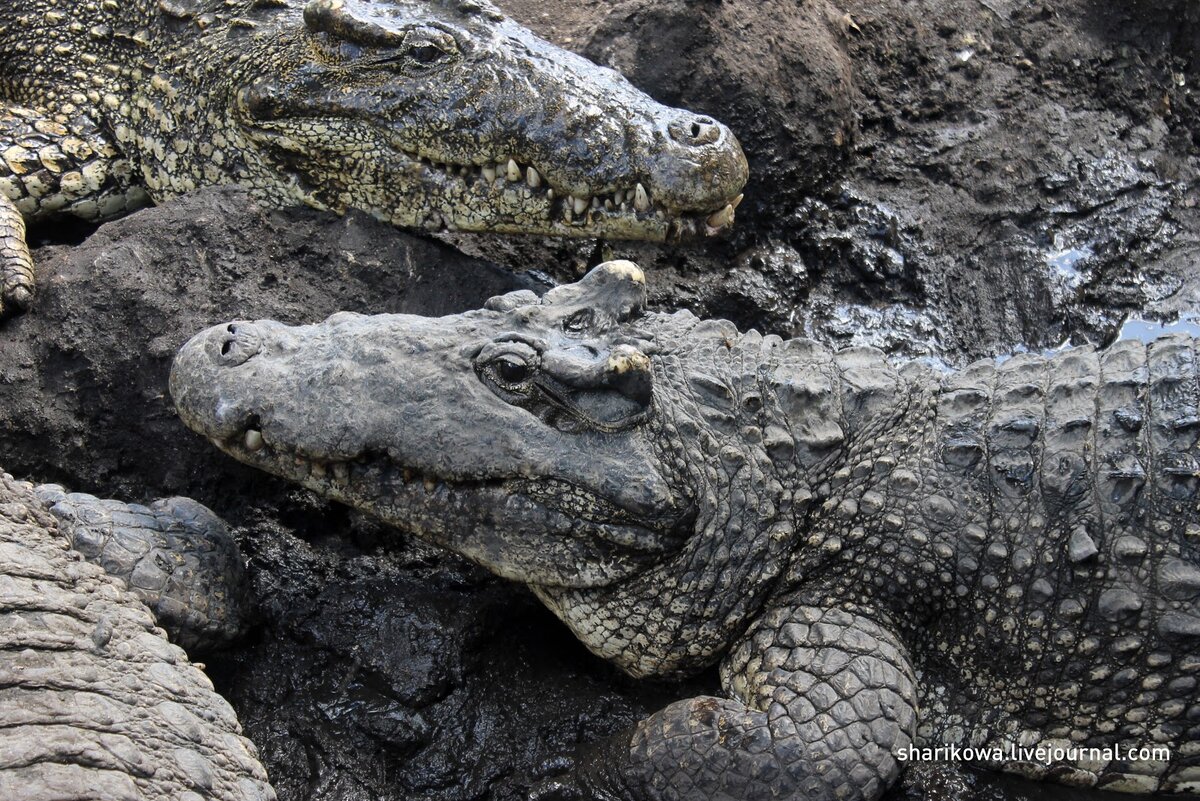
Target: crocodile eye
[[511, 372], [508, 367], [425, 54], [426, 48]]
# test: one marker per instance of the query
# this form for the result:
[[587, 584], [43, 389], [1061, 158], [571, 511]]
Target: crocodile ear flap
[[610, 393], [615, 290]]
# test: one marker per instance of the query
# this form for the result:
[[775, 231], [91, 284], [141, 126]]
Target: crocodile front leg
[[16, 265], [53, 162], [819, 701]]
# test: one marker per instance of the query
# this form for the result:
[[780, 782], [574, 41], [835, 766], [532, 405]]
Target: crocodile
[[430, 114], [175, 555], [95, 703], [882, 559]]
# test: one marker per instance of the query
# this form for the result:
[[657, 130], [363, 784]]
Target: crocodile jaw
[[503, 195]]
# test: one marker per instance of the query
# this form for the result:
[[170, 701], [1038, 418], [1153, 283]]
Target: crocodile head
[[447, 115], [524, 436]]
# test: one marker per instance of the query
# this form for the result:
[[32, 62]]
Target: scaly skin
[[176, 555], [94, 702], [877, 557], [438, 114]]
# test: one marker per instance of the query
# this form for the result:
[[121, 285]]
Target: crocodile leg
[[52, 163], [819, 701], [16, 289], [176, 555]]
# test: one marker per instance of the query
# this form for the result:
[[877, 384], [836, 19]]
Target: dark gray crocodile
[[175, 555], [434, 114], [879, 558], [94, 702]]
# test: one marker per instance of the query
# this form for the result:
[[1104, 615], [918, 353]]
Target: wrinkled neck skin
[[764, 431]]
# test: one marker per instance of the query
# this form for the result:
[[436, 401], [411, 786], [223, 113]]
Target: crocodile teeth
[[532, 178], [430, 485], [581, 204], [722, 218], [737, 201], [341, 472], [641, 200], [254, 441], [514, 171], [489, 174], [318, 470]]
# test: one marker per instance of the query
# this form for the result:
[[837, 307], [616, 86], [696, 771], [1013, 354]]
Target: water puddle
[[1149, 330]]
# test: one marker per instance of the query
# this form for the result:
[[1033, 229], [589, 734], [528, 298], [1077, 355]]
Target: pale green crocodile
[[440, 114]]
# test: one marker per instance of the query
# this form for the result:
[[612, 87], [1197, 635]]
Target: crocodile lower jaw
[[630, 210], [506, 196], [371, 474]]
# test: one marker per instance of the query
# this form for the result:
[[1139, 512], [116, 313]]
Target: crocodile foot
[[16, 265], [175, 555]]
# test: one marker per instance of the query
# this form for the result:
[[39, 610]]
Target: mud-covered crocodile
[[94, 702], [879, 558], [427, 113]]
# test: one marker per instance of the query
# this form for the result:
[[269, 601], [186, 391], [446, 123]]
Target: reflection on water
[[1147, 330]]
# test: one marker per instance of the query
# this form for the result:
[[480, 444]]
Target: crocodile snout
[[697, 131], [237, 344], [201, 377]]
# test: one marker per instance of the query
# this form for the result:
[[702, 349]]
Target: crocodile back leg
[[53, 162]]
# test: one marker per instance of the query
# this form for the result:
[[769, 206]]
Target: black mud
[[951, 178]]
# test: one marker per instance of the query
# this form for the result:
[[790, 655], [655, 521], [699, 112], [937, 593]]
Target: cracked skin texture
[[876, 556], [94, 702], [439, 114]]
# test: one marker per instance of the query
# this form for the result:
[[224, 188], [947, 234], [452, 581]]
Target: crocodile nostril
[[695, 131], [237, 343]]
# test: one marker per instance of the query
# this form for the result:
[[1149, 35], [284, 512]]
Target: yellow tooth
[[532, 178], [737, 201], [430, 485], [641, 199], [254, 441], [318, 470], [489, 174], [581, 204], [721, 218], [514, 172]]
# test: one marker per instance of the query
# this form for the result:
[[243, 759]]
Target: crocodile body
[[94, 702], [433, 114], [878, 558]]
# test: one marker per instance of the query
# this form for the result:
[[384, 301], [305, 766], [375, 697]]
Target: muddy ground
[[944, 179]]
